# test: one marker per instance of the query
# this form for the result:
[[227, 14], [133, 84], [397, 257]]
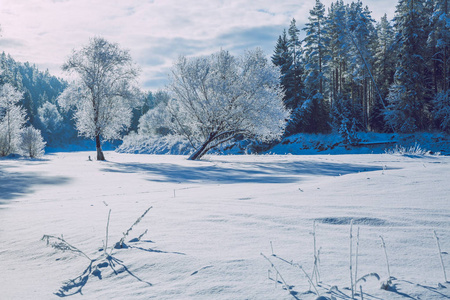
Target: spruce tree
[[314, 111], [409, 96], [361, 32], [439, 42], [295, 86], [384, 70], [283, 59], [339, 48]]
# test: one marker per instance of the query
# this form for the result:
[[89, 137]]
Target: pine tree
[[295, 84], [361, 32], [384, 70], [314, 112], [338, 47], [283, 59], [439, 42], [409, 96]]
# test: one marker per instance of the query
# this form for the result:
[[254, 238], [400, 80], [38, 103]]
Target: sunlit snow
[[212, 219]]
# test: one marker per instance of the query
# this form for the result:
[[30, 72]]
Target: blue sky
[[156, 32]]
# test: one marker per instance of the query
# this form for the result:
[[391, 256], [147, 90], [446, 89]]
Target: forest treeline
[[351, 73], [342, 72]]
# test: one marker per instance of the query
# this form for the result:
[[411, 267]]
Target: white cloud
[[45, 31]]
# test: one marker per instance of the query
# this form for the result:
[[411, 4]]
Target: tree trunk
[[100, 155], [201, 150]]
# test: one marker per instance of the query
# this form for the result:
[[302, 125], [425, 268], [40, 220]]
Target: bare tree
[[105, 92], [220, 97]]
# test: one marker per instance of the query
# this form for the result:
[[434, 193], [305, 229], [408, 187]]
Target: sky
[[156, 32]]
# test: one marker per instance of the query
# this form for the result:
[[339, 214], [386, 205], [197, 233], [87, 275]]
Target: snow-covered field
[[211, 220]]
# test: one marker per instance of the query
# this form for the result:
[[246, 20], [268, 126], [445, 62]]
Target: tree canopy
[[219, 97]]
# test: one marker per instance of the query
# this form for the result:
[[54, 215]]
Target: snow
[[211, 219]]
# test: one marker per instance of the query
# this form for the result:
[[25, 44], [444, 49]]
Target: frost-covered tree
[[52, 123], [50, 117], [155, 120], [105, 92], [32, 143], [12, 119], [220, 97]]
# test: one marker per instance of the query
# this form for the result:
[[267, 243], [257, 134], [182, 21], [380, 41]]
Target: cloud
[[11, 43], [156, 32], [239, 39]]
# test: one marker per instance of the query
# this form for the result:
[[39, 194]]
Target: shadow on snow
[[17, 184], [242, 172]]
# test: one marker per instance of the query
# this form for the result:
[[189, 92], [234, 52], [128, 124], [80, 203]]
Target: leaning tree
[[104, 93], [219, 97]]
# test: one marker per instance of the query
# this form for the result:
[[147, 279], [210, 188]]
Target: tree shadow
[[242, 172], [14, 184]]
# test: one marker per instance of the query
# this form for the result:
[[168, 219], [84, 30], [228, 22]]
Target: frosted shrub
[[415, 150], [155, 121], [32, 143], [50, 117], [169, 144]]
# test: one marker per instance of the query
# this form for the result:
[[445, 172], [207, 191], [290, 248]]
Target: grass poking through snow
[[75, 285]]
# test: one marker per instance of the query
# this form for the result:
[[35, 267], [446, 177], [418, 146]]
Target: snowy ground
[[211, 220]]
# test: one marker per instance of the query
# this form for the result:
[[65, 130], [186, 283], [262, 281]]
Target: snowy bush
[[170, 144], [50, 117], [32, 143], [155, 121]]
